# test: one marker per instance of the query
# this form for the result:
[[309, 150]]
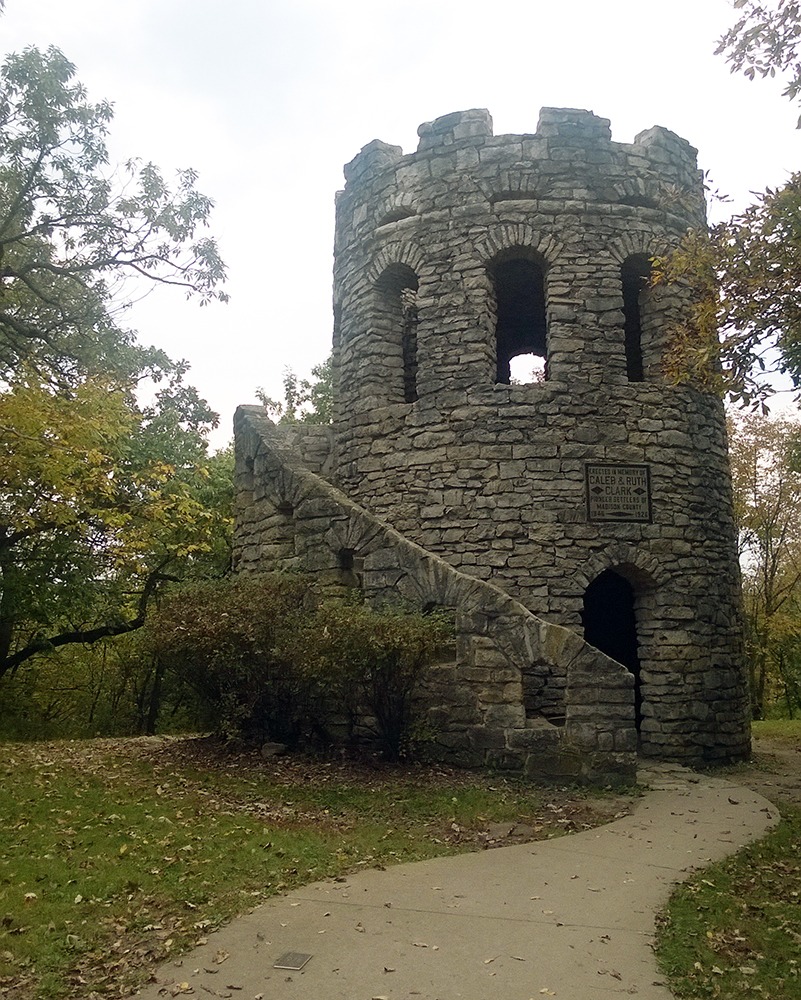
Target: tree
[[744, 327], [744, 322], [766, 475], [765, 41], [101, 501], [72, 231], [306, 401], [104, 474]]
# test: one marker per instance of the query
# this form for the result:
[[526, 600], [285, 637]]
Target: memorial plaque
[[618, 492]]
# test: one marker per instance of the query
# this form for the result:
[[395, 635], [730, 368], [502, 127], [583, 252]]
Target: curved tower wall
[[476, 246]]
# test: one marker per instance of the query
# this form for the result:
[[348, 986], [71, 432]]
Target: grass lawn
[[734, 930], [115, 854], [783, 731]]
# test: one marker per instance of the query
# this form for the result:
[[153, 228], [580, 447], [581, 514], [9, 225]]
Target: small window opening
[[285, 508], [635, 274], [638, 201], [350, 567], [520, 329], [396, 215], [610, 624], [542, 699]]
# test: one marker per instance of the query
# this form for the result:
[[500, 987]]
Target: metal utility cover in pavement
[[293, 960]]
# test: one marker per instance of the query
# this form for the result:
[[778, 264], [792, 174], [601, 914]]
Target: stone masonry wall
[[482, 707]]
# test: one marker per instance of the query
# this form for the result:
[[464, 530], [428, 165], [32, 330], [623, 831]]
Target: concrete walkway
[[571, 918]]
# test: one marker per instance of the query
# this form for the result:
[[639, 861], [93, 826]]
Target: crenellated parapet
[[441, 227], [569, 147]]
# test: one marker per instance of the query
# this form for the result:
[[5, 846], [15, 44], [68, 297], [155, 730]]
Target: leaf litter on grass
[[116, 854]]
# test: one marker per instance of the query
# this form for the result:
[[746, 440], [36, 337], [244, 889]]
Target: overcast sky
[[268, 99]]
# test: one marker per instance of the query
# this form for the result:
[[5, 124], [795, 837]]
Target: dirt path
[[774, 771]]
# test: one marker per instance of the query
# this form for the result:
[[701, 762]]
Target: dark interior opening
[[635, 273], [610, 625], [638, 201], [520, 303], [409, 344], [398, 290], [396, 215], [350, 566]]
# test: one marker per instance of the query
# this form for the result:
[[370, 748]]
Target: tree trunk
[[155, 697]]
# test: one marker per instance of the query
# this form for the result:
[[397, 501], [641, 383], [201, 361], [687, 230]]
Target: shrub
[[273, 666], [227, 640], [373, 660]]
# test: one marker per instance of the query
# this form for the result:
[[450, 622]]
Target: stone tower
[[505, 443]]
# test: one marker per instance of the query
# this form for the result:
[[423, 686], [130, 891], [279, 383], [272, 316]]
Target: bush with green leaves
[[275, 666], [372, 661], [226, 640]]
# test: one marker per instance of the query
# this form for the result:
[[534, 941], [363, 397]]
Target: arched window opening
[[520, 325], [635, 274], [397, 321], [610, 624]]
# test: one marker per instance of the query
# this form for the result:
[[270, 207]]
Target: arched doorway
[[610, 624]]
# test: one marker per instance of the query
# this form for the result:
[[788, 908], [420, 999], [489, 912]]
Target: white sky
[[267, 99]]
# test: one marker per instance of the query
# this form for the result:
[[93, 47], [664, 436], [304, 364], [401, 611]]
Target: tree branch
[[10, 663]]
